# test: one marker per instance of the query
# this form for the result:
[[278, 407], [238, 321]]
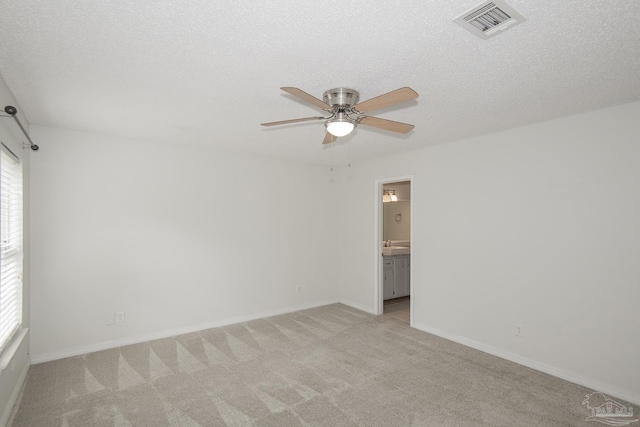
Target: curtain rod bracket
[[12, 111]]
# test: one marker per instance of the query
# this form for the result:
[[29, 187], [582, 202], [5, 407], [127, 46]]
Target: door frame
[[378, 234]]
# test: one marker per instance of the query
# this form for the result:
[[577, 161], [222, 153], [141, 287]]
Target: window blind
[[10, 245]]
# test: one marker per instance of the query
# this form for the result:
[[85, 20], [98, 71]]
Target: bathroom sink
[[396, 250]]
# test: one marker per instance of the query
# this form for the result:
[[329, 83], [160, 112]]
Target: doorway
[[393, 248]]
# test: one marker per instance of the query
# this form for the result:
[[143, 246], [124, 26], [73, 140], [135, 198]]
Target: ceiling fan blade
[[306, 97], [284, 122], [328, 138], [386, 124], [391, 98]]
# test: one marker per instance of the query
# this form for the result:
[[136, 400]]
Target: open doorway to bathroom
[[395, 255]]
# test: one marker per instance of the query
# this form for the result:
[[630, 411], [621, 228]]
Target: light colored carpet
[[328, 366]]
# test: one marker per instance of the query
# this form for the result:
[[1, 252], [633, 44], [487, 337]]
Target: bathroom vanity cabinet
[[396, 275]]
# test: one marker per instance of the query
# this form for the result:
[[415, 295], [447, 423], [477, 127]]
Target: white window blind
[[10, 245]]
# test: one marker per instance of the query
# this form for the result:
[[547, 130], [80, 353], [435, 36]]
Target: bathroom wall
[[397, 220]]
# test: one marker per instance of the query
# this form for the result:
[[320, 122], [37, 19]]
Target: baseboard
[[356, 306], [77, 351], [629, 396], [15, 393]]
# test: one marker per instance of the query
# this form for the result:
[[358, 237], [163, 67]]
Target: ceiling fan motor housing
[[342, 96]]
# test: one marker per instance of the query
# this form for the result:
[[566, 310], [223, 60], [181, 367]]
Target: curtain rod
[[12, 112]]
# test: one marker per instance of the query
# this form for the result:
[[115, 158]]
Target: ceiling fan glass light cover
[[339, 127]]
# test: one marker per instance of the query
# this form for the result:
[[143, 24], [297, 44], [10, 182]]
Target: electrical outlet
[[519, 330], [298, 289], [119, 316], [109, 319]]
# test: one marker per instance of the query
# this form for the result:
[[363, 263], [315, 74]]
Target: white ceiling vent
[[489, 19]]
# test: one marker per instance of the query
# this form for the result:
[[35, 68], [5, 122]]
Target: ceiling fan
[[346, 113]]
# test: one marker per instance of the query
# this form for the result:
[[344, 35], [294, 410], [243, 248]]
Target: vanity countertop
[[396, 250]]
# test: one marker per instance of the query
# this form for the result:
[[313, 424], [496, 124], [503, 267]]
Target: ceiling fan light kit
[[346, 113], [339, 127]]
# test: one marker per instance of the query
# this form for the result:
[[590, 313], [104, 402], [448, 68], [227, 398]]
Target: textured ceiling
[[207, 73]]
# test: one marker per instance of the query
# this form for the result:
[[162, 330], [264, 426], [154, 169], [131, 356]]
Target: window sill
[[10, 351]]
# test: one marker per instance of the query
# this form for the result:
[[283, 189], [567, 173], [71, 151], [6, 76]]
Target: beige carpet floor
[[328, 366]]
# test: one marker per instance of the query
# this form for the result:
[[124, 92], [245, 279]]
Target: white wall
[[537, 225], [179, 238], [16, 357]]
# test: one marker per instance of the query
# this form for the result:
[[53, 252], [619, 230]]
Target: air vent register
[[489, 19]]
